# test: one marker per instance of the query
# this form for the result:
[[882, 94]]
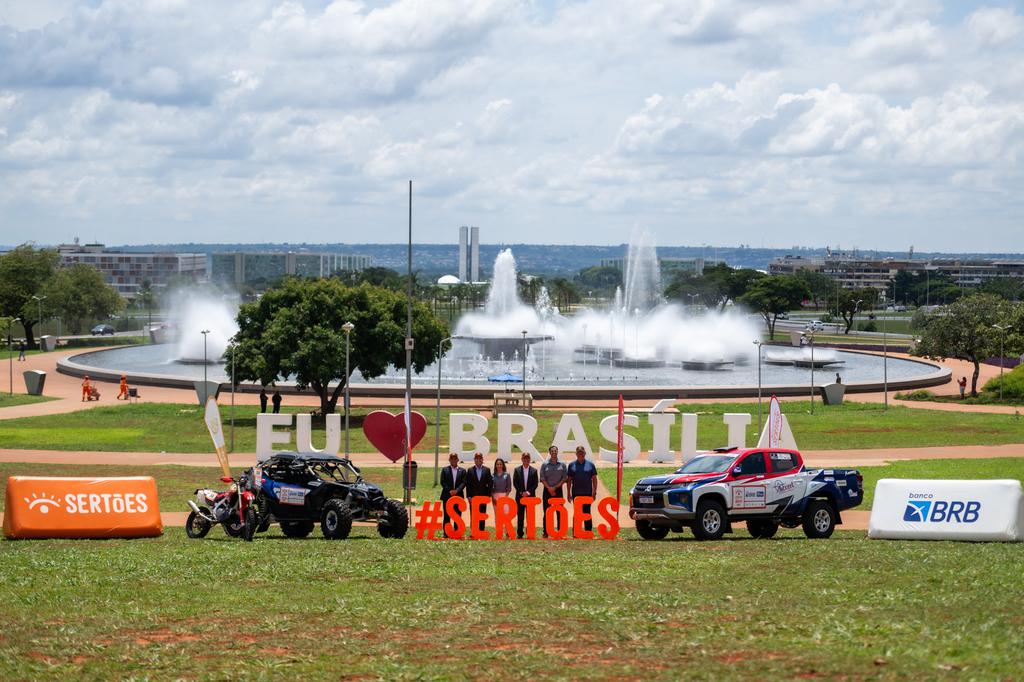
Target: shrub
[[867, 326], [1012, 383], [919, 394]]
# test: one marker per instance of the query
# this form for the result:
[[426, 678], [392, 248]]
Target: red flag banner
[[618, 476]]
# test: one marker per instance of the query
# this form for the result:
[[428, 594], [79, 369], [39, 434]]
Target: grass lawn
[[170, 607], [1001, 467], [180, 428], [176, 484], [8, 400]]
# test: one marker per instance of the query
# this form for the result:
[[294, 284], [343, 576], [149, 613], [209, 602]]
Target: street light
[[524, 369], [347, 328], [39, 302], [10, 351], [437, 414], [758, 343], [856, 308], [1002, 335], [693, 297], [810, 339], [204, 332], [234, 347]]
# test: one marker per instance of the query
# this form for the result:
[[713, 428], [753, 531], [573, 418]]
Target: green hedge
[[1012, 384]]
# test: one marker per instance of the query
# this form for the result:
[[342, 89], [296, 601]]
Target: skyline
[[873, 124]]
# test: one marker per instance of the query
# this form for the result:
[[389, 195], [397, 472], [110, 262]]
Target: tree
[[851, 302], [819, 285], [79, 293], [963, 330], [715, 287], [146, 298], [1009, 288], [600, 278], [773, 295], [295, 329], [24, 273]]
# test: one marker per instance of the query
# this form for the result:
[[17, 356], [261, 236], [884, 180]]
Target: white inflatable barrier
[[907, 509]]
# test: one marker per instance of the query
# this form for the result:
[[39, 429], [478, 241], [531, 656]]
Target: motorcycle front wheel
[[196, 526]]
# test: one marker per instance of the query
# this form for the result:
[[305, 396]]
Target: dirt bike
[[235, 509]]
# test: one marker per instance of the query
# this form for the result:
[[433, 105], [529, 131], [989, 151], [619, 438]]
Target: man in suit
[[479, 482], [453, 483], [524, 480]]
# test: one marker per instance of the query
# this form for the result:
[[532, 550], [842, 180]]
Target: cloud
[[993, 26]]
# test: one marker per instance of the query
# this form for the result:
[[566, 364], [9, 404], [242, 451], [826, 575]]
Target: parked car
[[102, 330], [765, 488], [298, 491]]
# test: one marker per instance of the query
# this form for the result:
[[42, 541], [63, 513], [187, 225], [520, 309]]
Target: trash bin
[[409, 475], [48, 342], [35, 379], [832, 394]]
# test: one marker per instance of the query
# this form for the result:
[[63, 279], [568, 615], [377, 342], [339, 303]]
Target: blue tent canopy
[[506, 378]]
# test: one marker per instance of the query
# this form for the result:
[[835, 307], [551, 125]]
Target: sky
[[851, 123]]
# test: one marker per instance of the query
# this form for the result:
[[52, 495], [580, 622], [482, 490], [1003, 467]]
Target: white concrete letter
[[570, 433], [466, 427], [662, 423], [688, 437], [304, 435], [516, 430], [737, 423], [266, 436], [610, 430]]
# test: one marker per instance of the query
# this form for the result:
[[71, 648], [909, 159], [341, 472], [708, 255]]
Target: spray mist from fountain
[[194, 311]]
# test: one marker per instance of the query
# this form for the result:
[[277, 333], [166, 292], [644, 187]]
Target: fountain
[[194, 312]]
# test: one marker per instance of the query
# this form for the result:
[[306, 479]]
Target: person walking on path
[[122, 393], [277, 401], [525, 482], [552, 475], [582, 482], [86, 388], [263, 401], [21, 350], [963, 386]]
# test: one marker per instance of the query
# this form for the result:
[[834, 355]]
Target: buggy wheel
[[297, 529], [196, 526], [648, 531], [762, 528], [336, 521], [395, 522]]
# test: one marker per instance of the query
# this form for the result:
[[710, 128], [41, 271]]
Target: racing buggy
[[300, 490]]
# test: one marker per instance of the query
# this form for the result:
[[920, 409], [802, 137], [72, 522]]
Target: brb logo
[[922, 508]]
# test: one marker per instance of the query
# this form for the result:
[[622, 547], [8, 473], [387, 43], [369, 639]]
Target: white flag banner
[[213, 424], [774, 423]]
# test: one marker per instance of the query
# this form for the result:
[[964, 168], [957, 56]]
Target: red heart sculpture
[[386, 432]]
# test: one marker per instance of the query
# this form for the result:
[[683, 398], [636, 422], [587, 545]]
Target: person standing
[[525, 482], [502, 486], [21, 350], [263, 401], [479, 483], [963, 386], [552, 475], [453, 483], [582, 482], [86, 388], [122, 393], [277, 401]]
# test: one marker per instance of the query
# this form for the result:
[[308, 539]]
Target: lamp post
[[10, 352], [856, 309], [1002, 335], [584, 350], [39, 307], [437, 413], [693, 297], [204, 332], [347, 328], [758, 343], [234, 347], [524, 369], [810, 339]]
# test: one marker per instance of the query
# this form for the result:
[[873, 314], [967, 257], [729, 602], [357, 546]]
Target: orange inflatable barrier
[[43, 507]]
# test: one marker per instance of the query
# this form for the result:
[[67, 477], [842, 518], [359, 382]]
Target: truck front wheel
[[648, 531], [819, 519], [710, 521]]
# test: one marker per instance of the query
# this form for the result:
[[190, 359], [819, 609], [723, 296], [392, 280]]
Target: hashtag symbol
[[429, 520]]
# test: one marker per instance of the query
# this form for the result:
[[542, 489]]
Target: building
[[857, 272], [126, 270], [261, 269], [469, 254]]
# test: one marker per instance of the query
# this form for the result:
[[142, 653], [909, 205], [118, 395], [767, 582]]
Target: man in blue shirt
[[582, 480]]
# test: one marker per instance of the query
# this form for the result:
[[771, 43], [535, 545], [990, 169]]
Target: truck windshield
[[709, 464]]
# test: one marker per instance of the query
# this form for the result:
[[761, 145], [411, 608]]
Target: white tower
[[463, 244]]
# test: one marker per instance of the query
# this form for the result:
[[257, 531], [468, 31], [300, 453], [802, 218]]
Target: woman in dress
[[502, 481]]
